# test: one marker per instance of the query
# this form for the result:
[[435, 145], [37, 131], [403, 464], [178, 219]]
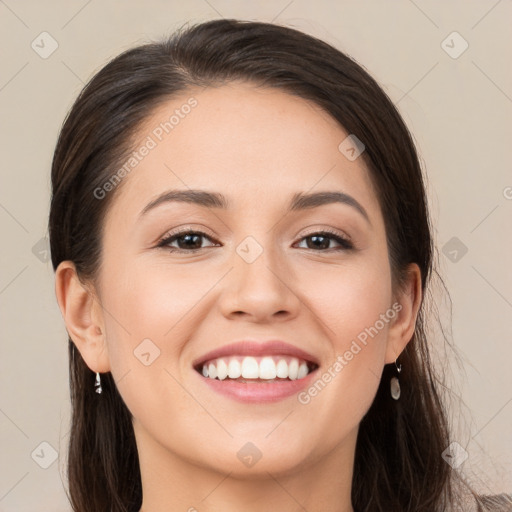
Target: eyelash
[[344, 242]]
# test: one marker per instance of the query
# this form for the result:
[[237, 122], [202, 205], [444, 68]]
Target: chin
[[256, 459]]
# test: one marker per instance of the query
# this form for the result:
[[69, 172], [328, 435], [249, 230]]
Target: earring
[[97, 384], [395, 384]]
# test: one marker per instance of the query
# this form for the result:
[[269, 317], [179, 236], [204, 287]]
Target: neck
[[169, 483]]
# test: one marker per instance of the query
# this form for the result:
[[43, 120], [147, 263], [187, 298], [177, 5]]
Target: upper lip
[[256, 348]]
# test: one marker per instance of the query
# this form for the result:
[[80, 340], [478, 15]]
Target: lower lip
[[259, 392]]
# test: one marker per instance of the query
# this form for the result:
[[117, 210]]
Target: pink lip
[[259, 392], [254, 348]]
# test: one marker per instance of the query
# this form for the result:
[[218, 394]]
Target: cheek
[[147, 326], [150, 300], [354, 306], [348, 298]]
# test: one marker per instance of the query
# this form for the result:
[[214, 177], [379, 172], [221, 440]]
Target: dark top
[[495, 503]]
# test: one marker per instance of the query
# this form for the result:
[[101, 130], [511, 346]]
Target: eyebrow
[[299, 201]]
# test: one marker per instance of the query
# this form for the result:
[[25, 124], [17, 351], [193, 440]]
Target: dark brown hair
[[398, 463]]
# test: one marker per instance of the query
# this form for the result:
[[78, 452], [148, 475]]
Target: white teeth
[[293, 369], [267, 368], [234, 369], [303, 371], [282, 369], [222, 369], [250, 368], [212, 371], [264, 368]]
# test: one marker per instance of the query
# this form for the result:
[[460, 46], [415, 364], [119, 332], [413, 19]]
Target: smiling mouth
[[261, 370]]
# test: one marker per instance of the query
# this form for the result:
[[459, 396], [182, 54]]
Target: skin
[[258, 147]]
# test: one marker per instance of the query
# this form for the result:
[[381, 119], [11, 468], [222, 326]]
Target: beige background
[[459, 110]]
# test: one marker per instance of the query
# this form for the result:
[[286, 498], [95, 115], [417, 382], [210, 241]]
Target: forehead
[[258, 146]]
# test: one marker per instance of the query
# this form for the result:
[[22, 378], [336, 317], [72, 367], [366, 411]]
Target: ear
[[407, 306], [83, 316]]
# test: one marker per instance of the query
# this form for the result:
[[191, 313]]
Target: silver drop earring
[[97, 384], [395, 384]]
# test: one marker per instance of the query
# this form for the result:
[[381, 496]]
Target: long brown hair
[[398, 463]]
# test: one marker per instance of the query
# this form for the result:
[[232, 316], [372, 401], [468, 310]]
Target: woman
[[242, 249]]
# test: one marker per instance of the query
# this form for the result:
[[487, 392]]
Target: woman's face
[[259, 274]]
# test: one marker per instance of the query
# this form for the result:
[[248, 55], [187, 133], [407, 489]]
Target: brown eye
[[321, 241], [187, 241]]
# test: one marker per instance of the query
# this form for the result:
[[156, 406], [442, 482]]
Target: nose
[[261, 290]]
